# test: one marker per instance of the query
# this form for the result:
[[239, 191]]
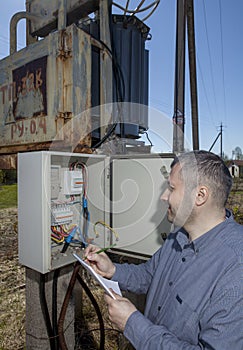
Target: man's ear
[[202, 195]]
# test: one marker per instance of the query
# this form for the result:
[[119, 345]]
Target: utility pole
[[221, 140], [179, 90], [220, 134], [185, 15], [193, 73]]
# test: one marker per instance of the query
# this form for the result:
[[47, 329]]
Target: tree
[[237, 153]]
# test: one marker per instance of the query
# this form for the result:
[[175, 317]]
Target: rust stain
[[8, 161], [65, 42]]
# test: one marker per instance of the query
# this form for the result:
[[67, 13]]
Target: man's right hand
[[101, 263]]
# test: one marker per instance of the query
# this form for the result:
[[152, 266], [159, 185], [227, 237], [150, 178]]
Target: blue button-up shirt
[[194, 292]]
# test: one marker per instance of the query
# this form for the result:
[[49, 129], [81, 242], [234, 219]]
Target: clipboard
[[104, 283]]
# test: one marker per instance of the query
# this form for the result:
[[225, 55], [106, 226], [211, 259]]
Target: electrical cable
[[45, 312], [107, 226], [205, 92], [54, 307], [151, 12], [68, 240], [106, 136], [97, 309], [62, 341], [86, 218], [222, 60], [148, 138], [119, 79], [75, 276], [135, 11], [210, 61], [126, 7]]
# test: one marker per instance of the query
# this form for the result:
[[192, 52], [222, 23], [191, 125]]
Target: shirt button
[[183, 259], [170, 283]]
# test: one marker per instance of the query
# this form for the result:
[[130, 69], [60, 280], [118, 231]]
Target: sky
[[219, 57]]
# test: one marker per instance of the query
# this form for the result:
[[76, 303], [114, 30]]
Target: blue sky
[[219, 46]]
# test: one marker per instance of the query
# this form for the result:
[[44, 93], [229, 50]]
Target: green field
[[8, 196]]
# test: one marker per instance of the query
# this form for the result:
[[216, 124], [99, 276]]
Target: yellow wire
[[107, 226], [57, 240]]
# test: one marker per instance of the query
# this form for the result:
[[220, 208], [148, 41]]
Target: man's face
[[180, 203]]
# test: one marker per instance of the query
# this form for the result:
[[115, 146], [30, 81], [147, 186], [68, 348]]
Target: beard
[[182, 215]]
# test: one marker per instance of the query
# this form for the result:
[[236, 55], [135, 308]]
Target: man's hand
[[119, 310], [101, 263]]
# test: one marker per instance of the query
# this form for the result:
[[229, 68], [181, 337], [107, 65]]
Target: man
[[194, 282]]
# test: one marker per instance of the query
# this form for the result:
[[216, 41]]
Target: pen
[[102, 250]]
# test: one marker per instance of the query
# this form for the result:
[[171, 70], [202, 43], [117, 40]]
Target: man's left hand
[[119, 310]]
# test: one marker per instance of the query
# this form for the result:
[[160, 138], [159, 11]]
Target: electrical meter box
[[60, 198], [68, 200]]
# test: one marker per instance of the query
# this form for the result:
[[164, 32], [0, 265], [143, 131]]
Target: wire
[[205, 92], [107, 226], [69, 239], [77, 165], [62, 232], [118, 74], [58, 241], [60, 325], [148, 138], [222, 57], [45, 311], [210, 61], [151, 12], [138, 10], [97, 309], [54, 307], [75, 276], [107, 135], [127, 5], [86, 219], [119, 79]]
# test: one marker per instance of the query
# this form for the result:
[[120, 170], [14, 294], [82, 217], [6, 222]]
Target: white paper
[[105, 283]]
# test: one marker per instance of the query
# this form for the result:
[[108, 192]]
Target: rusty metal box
[[42, 88]]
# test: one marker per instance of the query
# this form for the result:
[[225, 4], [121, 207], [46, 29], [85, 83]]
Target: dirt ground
[[12, 278], [12, 286]]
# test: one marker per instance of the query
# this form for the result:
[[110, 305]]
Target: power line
[[210, 58], [222, 59], [205, 92]]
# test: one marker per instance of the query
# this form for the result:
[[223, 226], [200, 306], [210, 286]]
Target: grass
[[8, 196]]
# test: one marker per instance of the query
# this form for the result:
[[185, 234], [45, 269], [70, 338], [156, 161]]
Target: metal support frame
[[13, 29]]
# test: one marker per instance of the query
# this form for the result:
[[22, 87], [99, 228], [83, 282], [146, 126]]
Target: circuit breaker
[[66, 201]]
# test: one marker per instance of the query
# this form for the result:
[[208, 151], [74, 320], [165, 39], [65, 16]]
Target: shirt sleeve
[[144, 335], [137, 278], [220, 324]]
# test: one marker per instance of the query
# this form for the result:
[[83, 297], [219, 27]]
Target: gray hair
[[206, 168]]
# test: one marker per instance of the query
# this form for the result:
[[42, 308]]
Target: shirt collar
[[182, 237]]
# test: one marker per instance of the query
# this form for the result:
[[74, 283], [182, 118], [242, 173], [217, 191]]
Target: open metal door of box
[[137, 213]]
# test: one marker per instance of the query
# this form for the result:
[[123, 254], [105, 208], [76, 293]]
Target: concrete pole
[[36, 331], [179, 90], [193, 73]]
